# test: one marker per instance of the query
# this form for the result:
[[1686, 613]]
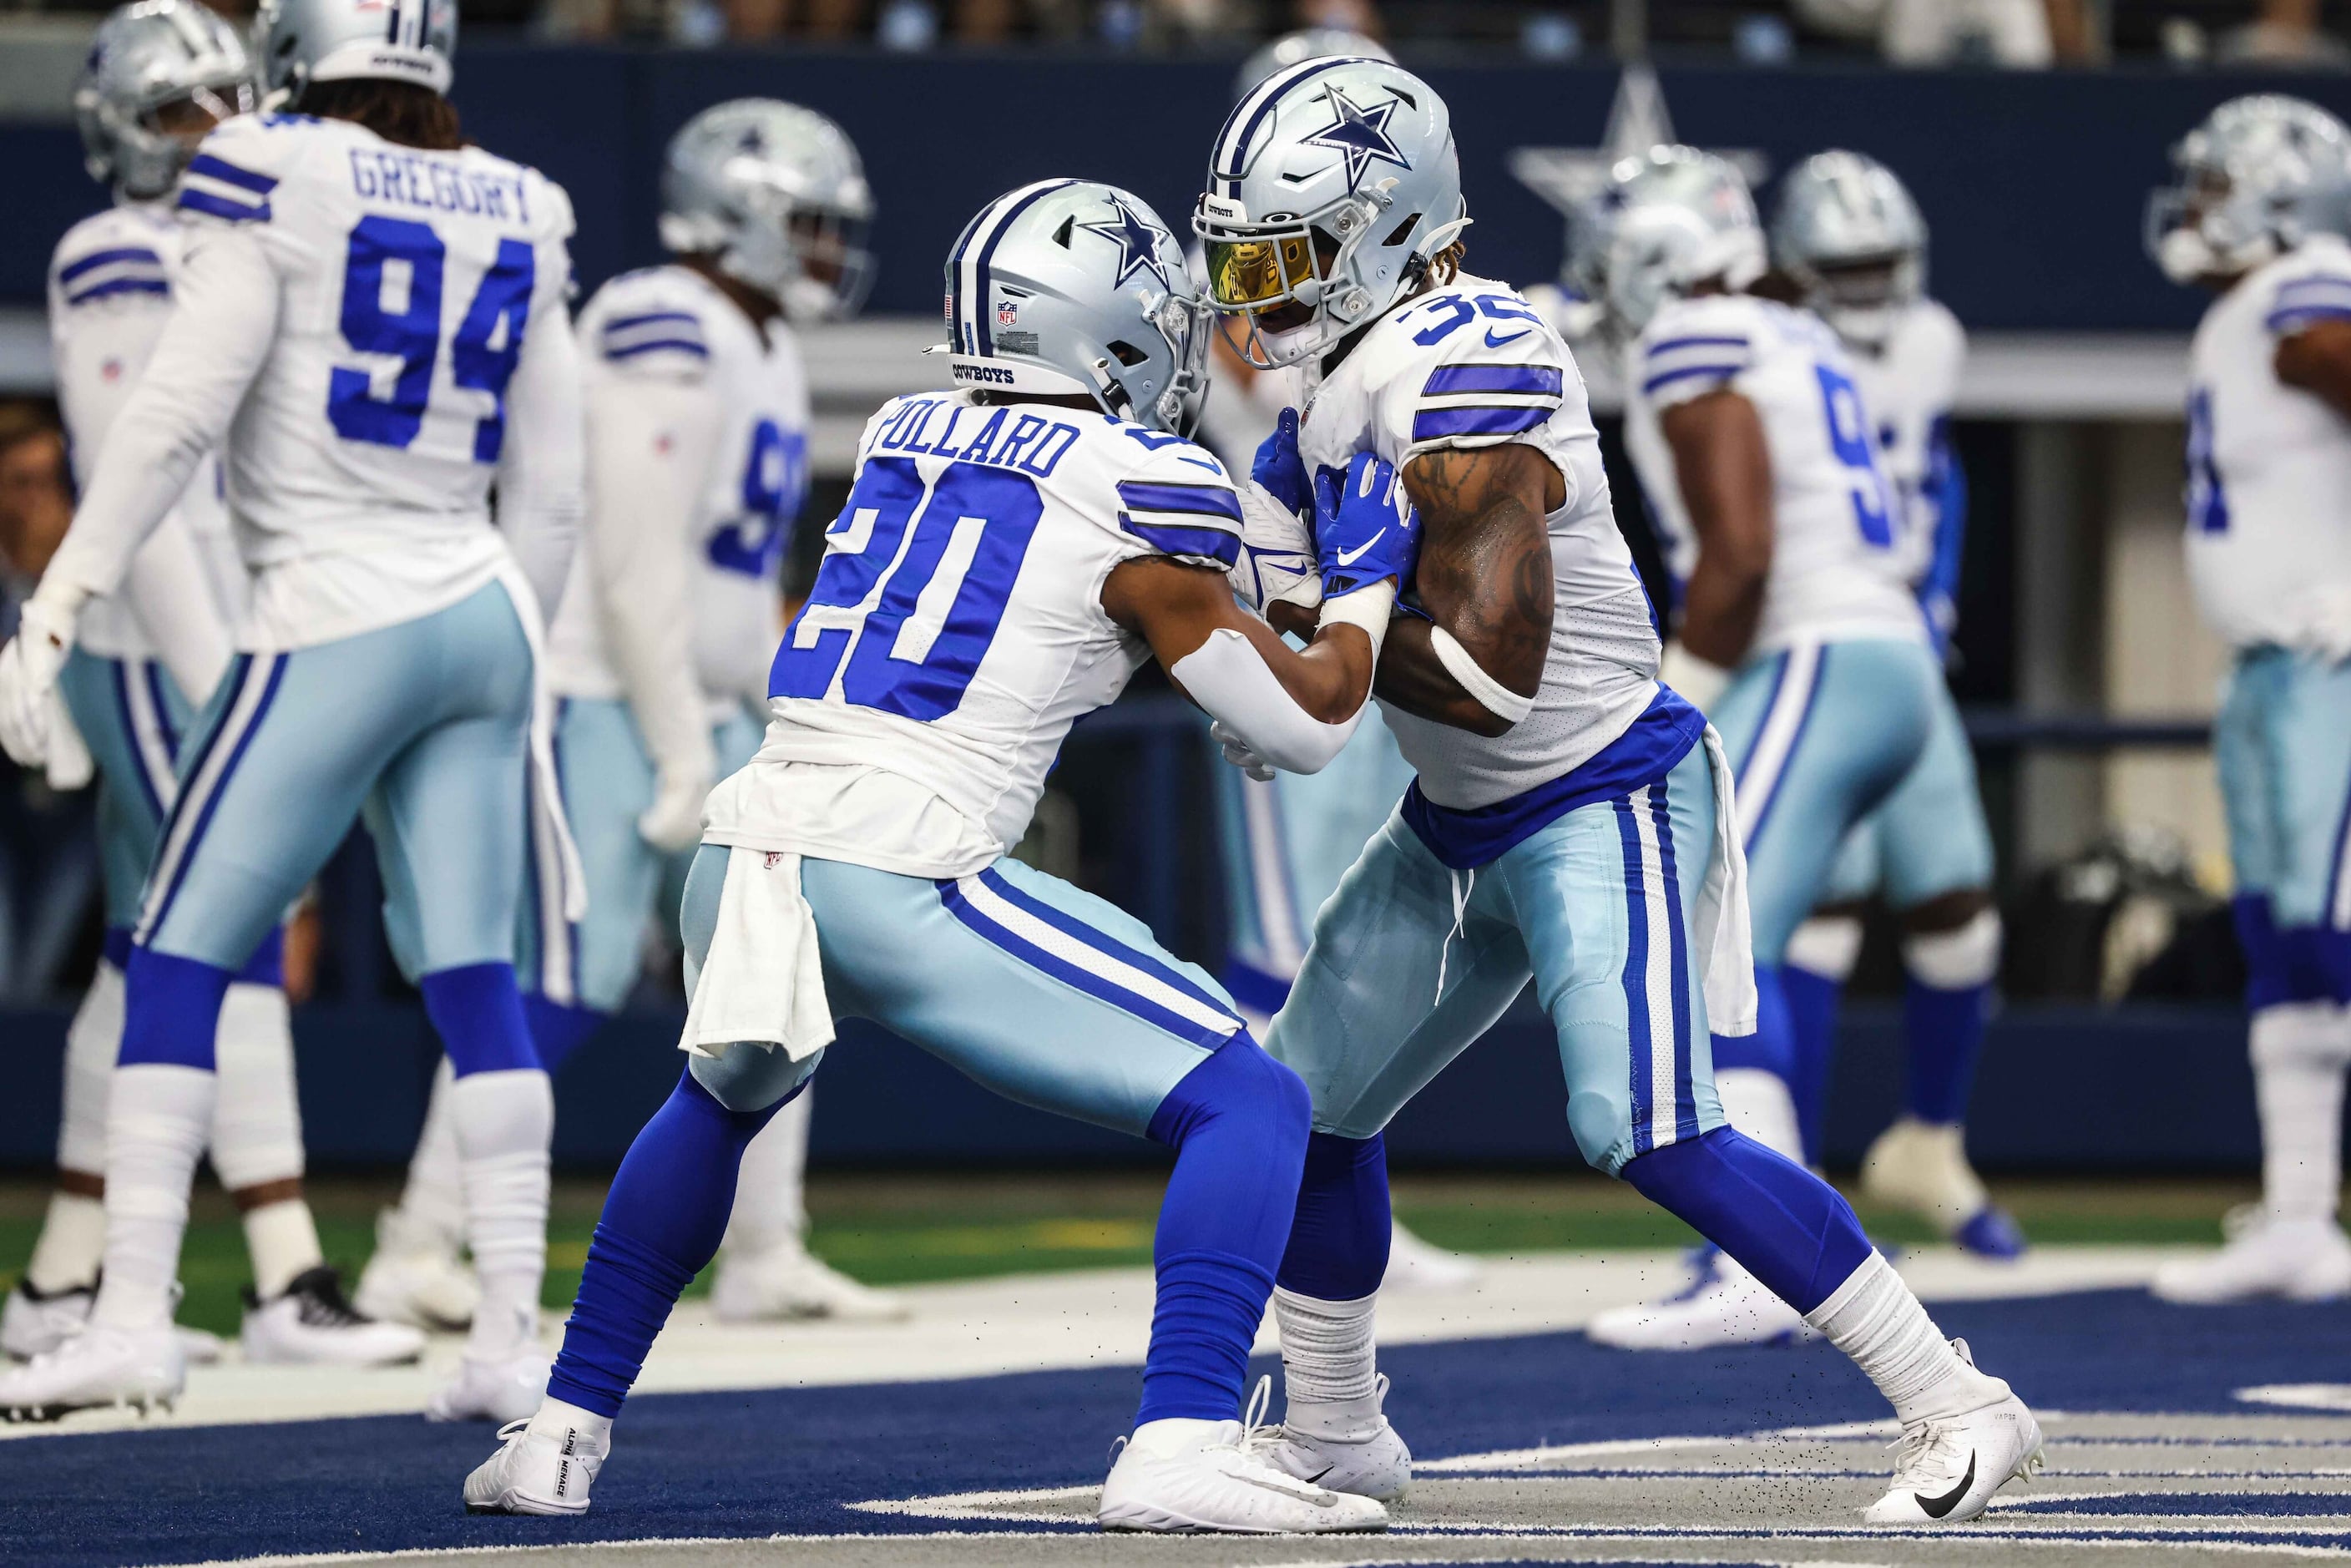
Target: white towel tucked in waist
[[1725, 943], [762, 979]]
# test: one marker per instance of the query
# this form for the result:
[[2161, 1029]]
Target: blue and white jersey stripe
[[221, 189], [1200, 521], [117, 270], [1656, 975], [1673, 361], [1484, 399], [1060, 944], [654, 332], [2300, 301]]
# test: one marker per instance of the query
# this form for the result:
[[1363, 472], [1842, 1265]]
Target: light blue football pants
[[1286, 843], [2283, 742], [1046, 995], [1412, 962], [422, 728], [131, 716], [608, 781], [1929, 836]]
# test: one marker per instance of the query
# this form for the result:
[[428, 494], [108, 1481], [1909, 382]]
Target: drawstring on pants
[[1462, 884]]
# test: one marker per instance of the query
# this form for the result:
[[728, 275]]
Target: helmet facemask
[[1313, 274], [151, 149], [1864, 297], [2203, 230]]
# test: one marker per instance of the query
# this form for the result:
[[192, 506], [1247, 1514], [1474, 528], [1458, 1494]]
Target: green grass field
[[900, 1229]]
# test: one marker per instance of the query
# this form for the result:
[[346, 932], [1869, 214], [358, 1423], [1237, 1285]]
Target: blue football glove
[[1280, 469], [1364, 526]]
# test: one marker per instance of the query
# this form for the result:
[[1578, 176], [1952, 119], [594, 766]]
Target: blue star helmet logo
[[1137, 242], [1361, 133]]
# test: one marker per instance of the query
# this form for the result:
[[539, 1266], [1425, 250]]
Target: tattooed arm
[[1485, 576]]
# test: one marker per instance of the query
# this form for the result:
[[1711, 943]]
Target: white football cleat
[[417, 1276], [97, 1367], [1923, 1167], [312, 1325], [1192, 1477], [1415, 1264], [500, 1391], [534, 1473], [2300, 1259], [1951, 1465], [34, 1323], [787, 1283], [1375, 1464], [1726, 1305]]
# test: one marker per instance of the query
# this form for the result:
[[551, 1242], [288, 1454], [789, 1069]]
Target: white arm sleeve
[[540, 463], [219, 335], [1229, 677], [651, 443]]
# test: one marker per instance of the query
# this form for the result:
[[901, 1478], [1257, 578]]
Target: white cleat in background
[[312, 1325], [1415, 1264], [97, 1368], [31, 1324], [787, 1282], [1373, 1464], [417, 1276], [500, 1391], [1726, 1305], [1951, 1465], [1201, 1477], [2298, 1260], [534, 1473]]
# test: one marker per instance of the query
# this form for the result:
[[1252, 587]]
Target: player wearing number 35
[[369, 325]]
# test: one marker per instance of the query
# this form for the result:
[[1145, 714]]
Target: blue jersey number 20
[[482, 354], [943, 590]]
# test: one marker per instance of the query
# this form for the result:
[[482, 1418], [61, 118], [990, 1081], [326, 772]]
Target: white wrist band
[[1493, 695], [1368, 608]]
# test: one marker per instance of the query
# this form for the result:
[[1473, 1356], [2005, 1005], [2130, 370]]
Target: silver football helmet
[[1069, 285], [778, 194], [1848, 234], [147, 59], [2262, 174], [303, 41], [1332, 187], [1673, 218], [1307, 44]]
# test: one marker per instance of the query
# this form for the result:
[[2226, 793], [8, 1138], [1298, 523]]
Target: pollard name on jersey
[[668, 325], [407, 280], [1468, 365], [1840, 567], [2269, 466], [955, 629]]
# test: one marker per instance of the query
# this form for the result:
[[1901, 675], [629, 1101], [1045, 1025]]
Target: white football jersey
[[955, 629], [1472, 364], [407, 281], [1907, 386], [110, 295], [2269, 466], [670, 325], [1839, 566]]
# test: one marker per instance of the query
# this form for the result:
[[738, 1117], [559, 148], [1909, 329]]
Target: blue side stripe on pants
[[1810, 698], [130, 721], [2333, 914], [1061, 920], [1636, 972], [1685, 1100], [152, 669], [153, 922]]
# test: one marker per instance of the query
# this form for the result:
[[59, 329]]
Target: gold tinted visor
[[1243, 273]]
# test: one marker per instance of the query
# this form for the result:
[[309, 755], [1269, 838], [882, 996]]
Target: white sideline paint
[[1041, 1322]]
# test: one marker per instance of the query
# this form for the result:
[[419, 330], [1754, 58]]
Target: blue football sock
[[477, 1010], [1238, 1123], [1945, 1030], [559, 1029], [1772, 1047], [662, 1225], [1339, 1242], [1787, 1226], [170, 1009], [1811, 1002]]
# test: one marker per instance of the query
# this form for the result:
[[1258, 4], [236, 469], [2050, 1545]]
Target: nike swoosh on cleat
[[1494, 343], [1940, 1507], [1349, 558], [1316, 1478]]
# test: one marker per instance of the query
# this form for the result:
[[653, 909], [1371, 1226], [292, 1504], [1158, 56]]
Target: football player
[[698, 440], [1572, 820], [162, 73], [2258, 217], [368, 324], [1847, 234], [1011, 553]]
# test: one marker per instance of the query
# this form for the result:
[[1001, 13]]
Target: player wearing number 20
[[1010, 554], [367, 322]]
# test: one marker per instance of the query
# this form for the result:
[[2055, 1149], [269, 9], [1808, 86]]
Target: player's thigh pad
[[1400, 980], [1607, 900], [1818, 734], [2311, 739], [1044, 993], [2244, 755], [1931, 829], [608, 782], [131, 716]]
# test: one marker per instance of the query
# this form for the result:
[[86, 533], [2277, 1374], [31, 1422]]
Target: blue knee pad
[[1339, 1241], [1786, 1224], [170, 1009], [477, 1010]]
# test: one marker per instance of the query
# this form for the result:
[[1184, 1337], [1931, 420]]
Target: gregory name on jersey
[[433, 184]]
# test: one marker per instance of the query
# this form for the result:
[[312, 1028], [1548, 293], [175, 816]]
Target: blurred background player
[[386, 661], [1847, 234], [1288, 840], [2258, 215], [1799, 634], [857, 867], [161, 74], [697, 411]]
